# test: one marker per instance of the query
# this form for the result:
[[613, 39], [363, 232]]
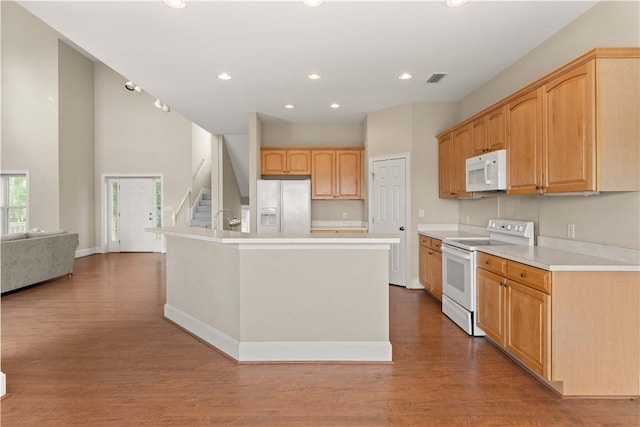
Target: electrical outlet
[[571, 231], [420, 213], [344, 215]]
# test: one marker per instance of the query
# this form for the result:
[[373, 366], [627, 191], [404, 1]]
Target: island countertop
[[235, 237]]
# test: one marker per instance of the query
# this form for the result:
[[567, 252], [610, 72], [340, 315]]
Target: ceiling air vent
[[435, 78]]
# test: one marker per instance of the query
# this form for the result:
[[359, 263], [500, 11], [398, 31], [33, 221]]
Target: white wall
[[134, 137], [30, 110], [76, 156], [231, 198], [608, 24], [255, 142]]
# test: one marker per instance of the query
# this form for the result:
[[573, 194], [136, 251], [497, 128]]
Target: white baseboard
[[298, 351], [314, 351], [86, 252], [3, 384], [414, 283], [211, 335]]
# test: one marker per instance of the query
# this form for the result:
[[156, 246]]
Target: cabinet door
[[445, 165], [298, 162], [525, 154], [497, 129], [479, 136], [568, 142], [437, 274], [423, 265], [528, 322], [491, 304], [273, 162], [323, 172], [348, 174], [463, 149]]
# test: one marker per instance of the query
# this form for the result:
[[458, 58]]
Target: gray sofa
[[29, 258]]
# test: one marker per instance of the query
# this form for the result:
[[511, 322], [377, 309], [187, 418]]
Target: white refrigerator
[[284, 206]]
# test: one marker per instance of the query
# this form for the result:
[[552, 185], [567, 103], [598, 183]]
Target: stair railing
[[182, 215]]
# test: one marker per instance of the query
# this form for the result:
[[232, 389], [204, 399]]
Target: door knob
[[402, 228]]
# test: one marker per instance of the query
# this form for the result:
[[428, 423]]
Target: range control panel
[[512, 228]]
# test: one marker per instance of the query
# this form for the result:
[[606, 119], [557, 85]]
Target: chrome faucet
[[233, 222]]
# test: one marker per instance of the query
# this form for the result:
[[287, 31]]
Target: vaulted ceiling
[[270, 47]]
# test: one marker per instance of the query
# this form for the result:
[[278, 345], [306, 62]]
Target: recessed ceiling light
[[289, 106], [224, 76], [176, 4], [314, 76], [313, 3], [456, 3], [334, 105], [405, 76]]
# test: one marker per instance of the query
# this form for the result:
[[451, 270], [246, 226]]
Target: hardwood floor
[[94, 350]]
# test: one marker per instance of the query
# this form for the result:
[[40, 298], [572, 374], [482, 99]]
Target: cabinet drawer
[[425, 241], [492, 263], [436, 244], [531, 276]]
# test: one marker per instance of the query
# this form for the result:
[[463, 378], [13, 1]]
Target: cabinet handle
[[503, 283], [522, 275], [487, 262], [430, 253]]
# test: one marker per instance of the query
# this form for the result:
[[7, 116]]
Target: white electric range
[[459, 254]]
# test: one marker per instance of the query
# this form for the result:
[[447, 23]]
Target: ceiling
[[269, 48]]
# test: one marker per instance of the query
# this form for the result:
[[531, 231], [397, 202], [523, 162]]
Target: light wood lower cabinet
[[430, 265], [577, 331]]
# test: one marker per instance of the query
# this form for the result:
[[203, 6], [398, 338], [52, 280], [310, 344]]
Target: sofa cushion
[[12, 236], [32, 234]]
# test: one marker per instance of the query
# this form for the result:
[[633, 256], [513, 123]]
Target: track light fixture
[[131, 86], [161, 105]]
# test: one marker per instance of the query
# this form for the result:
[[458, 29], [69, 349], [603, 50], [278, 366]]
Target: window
[[13, 209]]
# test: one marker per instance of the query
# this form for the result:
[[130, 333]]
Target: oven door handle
[[460, 253]]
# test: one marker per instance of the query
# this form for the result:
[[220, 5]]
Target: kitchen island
[[281, 297]]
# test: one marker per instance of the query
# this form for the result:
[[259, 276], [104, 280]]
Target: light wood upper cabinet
[[573, 130], [497, 129], [462, 149], [445, 166], [336, 174], [525, 151], [568, 142], [285, 161], [479, 135]]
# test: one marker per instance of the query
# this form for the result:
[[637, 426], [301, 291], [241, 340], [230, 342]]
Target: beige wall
[[231, 198], [255, 142], [200, 150], [411, 128], [76, 156], [608, 24], [134, 137], [279, 134], [30, 110]]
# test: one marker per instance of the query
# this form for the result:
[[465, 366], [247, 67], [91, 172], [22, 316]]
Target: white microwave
[[487, 172]]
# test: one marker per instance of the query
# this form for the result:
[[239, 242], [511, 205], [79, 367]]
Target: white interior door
[[388, 212], [137, 211]]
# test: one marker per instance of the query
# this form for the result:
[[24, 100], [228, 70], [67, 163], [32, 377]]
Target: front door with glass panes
[[135, 205]]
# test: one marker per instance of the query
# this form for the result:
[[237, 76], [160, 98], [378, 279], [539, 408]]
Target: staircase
[[202, 212]]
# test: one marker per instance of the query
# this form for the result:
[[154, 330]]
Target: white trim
[[314, 351], [3, 384], [408, 223], [209, 334], [86, 252], [104, 204], [414, 283], [303, 351]]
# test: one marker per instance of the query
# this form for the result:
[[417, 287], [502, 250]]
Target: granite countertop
[[557, 260]]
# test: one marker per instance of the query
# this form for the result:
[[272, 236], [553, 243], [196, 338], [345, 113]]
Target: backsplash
[[607, 218]]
